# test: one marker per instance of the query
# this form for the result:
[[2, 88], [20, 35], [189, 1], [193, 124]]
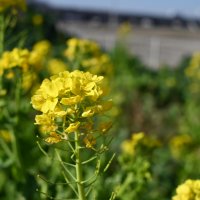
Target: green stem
[[81, 192]]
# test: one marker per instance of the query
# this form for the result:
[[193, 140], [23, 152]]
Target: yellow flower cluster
[[30, 62], [129, 146], [177, 143], [189, 190], [81, 47], [68, 102], [38, 54], [15, 58], [88, 55], [4, 4], [23, 58]]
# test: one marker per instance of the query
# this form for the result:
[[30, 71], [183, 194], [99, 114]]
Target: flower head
[[71, 99], [189, 190]]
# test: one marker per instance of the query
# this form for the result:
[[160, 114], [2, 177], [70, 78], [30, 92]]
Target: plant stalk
[[81, 192]]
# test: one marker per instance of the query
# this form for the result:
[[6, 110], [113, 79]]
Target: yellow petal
[[53, 138]]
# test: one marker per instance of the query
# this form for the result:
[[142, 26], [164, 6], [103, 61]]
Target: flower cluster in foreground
[[68, 102], [189, 190]]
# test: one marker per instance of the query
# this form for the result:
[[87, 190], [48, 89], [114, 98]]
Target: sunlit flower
[[70, 98], [189, 190]]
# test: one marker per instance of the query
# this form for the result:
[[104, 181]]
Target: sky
[[189, 8]]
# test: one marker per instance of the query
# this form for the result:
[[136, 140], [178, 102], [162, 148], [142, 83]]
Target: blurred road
[[155, 46]]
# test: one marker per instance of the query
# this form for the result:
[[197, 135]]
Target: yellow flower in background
[[15, 58], [189, 190], [37, 19], [178, 143], [29, 79], [6, 135], [43, 47], [56, 66], [39, 53], [89, 56], [129, 146], [20, 59]]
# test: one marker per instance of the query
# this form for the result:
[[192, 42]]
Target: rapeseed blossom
[[15, 58], [56, 66], [87, 55], [189, 190], [68, 102], [129, 146], [39, 53]]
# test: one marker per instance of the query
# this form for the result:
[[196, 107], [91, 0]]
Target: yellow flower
[[70, 99], [46, 121], [89, 141], [72, 127], [56, 66], [53, 138], [42, 47], [189, 190], [46, 98], [15, 58], [129, 146], [178, 142], [37, 19], [5, 135]]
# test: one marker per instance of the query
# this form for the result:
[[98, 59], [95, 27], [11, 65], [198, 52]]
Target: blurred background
[[160, 32]]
